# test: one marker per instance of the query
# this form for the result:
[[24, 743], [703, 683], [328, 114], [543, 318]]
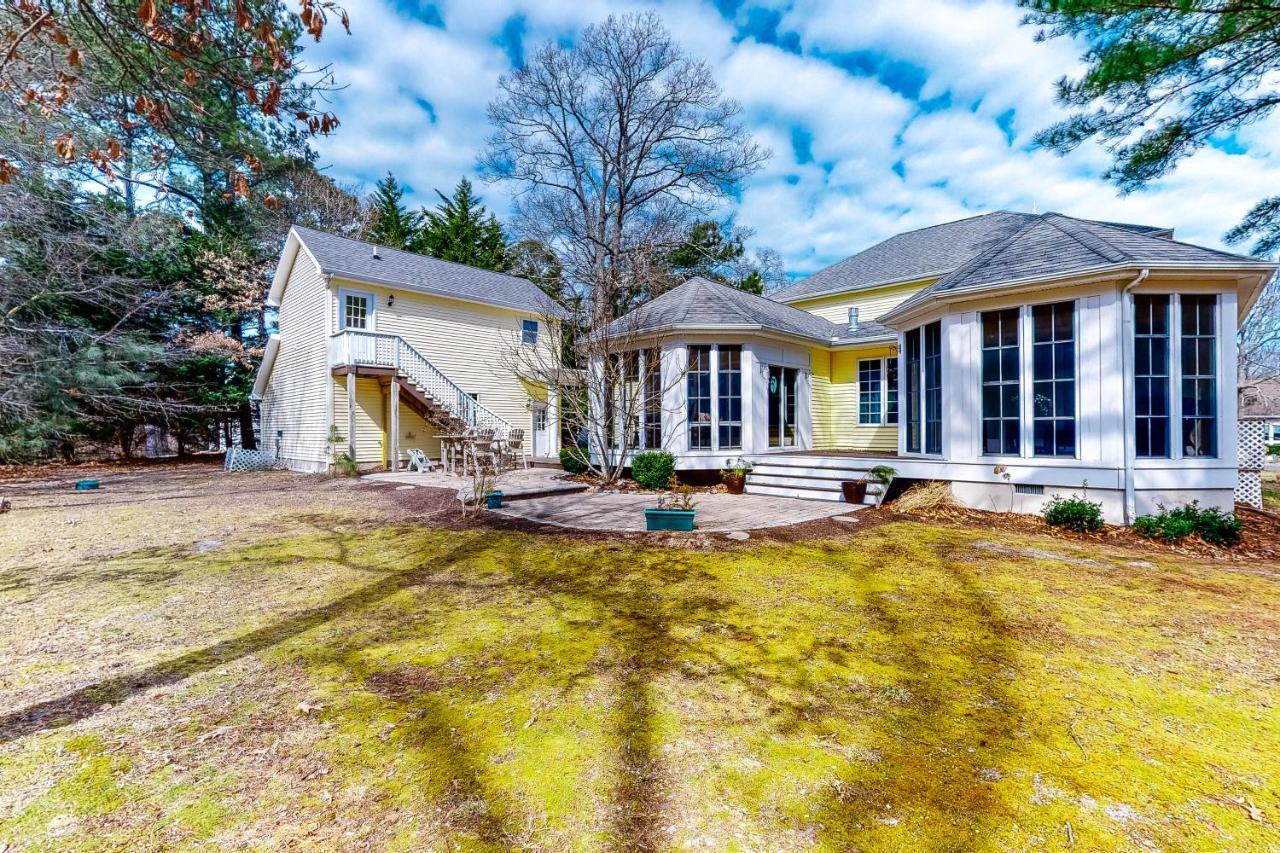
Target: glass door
[[782, 406]]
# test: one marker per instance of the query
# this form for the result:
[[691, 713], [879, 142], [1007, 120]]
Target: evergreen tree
[[391, 223], [718, 253], [461, 230]]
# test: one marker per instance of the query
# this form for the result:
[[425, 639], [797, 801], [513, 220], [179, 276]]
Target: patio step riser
[[793, 481], [808, 494]]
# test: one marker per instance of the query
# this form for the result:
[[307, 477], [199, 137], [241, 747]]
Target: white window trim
[[537, 332], [715, 447], [882, 419], [343, 293]]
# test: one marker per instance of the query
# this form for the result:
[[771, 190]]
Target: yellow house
[[379, 351]]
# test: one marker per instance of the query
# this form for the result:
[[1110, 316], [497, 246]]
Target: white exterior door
[[541, 434]]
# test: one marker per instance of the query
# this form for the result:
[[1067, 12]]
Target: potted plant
[[674, 510], [493, 500], [855, 491], [734, 474]]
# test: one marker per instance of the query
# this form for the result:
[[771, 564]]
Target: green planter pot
[[493, 500], [86, 485], [669, 519]]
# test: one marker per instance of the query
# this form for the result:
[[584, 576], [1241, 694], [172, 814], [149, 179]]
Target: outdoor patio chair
[[514, 449], [483, 454], [418, 461]]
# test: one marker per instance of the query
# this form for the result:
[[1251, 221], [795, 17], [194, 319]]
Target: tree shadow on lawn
[[84, 702], [647, 620]]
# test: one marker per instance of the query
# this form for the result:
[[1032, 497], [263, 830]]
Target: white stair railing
[[374, 349]]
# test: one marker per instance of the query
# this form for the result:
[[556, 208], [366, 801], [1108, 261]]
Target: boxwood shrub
[[572, 460], [1173, 525], [653, 468], [1073, 513]]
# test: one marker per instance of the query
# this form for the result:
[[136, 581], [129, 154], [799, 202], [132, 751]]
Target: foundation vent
[[1028, 489]]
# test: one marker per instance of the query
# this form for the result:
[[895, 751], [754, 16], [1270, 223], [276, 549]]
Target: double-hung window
[[729, 397], [356, 311], [1053, 390], [870, 374], [1001, 383], [698, 397], [1199, 375], [529, 332]]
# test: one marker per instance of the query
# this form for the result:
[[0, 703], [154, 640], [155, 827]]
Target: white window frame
[[343, 293], [884, 391], [537, 332]]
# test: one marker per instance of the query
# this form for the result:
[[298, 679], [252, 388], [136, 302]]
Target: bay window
[[1151, 375], [933, 388], [729, 402], [1188, 344], [1199, 376], [1053, 390], [911, 359], [698, 397], [1001, 384], [652, 399]]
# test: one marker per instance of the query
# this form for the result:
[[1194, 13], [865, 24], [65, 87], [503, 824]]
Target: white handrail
[[378, 349]]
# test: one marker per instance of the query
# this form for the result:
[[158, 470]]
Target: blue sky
[[883, 115]]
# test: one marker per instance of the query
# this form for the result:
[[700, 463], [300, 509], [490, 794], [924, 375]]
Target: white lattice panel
[[1253, 454], [239, 459]]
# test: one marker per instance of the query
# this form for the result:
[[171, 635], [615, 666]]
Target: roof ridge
[[1071, 226], [406, 252], [1111, 226]]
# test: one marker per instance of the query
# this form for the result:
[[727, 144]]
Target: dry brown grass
[[925, 498]]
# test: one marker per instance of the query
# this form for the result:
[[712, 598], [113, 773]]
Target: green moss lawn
[[276, 660]]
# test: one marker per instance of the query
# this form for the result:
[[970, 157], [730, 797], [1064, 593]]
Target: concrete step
[[788, 480], [804, 492]]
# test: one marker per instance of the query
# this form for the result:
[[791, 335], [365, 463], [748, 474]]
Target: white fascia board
[[264, 369]]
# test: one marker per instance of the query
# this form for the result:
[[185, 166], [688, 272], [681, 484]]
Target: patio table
[[451, 445]]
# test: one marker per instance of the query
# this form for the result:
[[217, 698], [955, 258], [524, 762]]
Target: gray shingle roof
[[1052, 244], [924, 253], [702, 303], [347, 258]]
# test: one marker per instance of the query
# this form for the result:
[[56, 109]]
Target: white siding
[[476, 346], [296, 400]]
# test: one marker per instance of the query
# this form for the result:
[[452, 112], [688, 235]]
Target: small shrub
[[1073, 513], [1173, 525], [573, 460], [1273, 449], [653, 468], [345, 465]]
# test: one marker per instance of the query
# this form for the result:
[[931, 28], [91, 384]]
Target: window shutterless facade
[[1001, 383], [729, 397], [529, 332], [933, 388], [870, 376], [652, 399], [355, 310], [911, 364], [891, 390], [1151, 375], [1053, 390], [1199, 375], [698, 397]]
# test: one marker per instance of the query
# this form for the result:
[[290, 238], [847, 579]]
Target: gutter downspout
[[1127, 359]]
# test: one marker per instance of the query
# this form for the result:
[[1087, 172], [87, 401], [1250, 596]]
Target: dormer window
[[853, 319]]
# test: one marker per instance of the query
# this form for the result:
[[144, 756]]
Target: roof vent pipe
[[853, 319], [375, 251]]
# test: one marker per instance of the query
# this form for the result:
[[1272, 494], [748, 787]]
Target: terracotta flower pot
[[734, 483], [855, 491]]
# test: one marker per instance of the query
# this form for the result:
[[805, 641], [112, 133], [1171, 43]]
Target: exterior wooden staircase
[[424, 388]]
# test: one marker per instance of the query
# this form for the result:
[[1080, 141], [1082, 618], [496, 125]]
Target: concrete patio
[[718, 512]]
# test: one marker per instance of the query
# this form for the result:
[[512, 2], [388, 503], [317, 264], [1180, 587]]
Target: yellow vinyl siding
[[871, 304], [476, 346], [844, 431], [820, 398], [294, 401], [416, 433], [371, 410]]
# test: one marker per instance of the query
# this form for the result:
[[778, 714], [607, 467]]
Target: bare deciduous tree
[[616, 145]]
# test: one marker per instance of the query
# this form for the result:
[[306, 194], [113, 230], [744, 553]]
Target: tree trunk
[[125, 434], [247, 440]]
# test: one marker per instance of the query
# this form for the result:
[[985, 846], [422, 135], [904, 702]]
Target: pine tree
[[391, 223], [461, 230]]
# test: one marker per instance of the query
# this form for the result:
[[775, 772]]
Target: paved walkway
[[513, 484], [717, 512]]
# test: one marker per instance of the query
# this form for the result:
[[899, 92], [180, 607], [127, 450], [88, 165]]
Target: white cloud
[[949, 163]]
